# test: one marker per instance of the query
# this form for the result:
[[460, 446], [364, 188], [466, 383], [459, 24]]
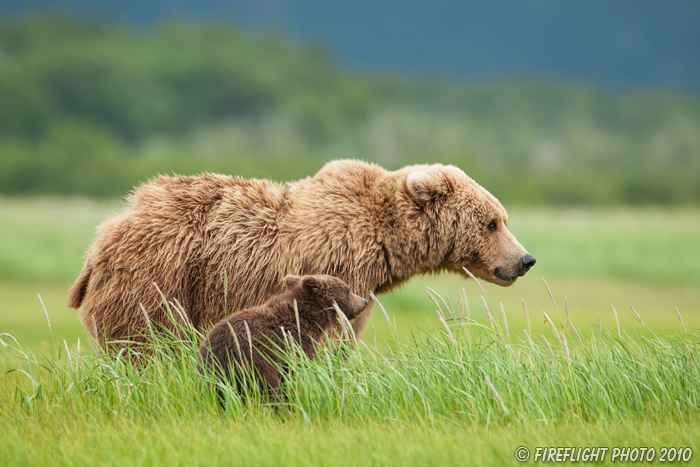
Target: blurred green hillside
[[93, 108]]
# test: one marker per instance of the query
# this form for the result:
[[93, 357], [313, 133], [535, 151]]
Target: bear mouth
[[503, 276], [354, 313], [357, 312]]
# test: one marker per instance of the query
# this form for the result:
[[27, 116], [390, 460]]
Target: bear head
[[469, 225], [316, 295]]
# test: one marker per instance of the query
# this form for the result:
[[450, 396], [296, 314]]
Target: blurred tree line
[[89, 107]]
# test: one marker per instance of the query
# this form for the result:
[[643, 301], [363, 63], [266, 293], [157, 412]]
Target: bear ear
[[291, 281], [310, 282], [425, 186]]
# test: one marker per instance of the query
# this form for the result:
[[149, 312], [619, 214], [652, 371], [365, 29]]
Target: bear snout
[[510, 273], [358, 304]]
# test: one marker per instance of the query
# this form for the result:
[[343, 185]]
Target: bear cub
[[259, 336]]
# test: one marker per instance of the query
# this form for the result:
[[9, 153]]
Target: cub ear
[[426, 186], [310, 282], [291, 281]]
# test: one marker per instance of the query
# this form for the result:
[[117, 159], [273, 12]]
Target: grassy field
[[414, 396], [473, 395]]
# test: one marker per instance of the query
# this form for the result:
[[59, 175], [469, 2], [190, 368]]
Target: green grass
[[426, 400], [413, 398], [197, 440]]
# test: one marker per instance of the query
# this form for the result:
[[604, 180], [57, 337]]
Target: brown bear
[[199, 237], [252, 340]]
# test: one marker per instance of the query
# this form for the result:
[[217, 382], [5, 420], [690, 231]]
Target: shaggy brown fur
[[230, 357], [371, 228]]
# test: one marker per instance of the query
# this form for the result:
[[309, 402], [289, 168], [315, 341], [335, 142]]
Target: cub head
[[470, 225], [316, 295]]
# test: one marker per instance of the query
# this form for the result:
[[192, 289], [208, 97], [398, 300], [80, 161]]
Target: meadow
[[414, 391]]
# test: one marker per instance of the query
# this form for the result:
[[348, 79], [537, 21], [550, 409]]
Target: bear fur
[[199, 238], [229, 357]]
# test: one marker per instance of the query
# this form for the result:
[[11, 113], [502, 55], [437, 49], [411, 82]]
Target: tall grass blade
[[639, 318], [475, 280], [678, 313], [46, 313], [617, 321], [551, 297], [381, 307], [505, 320], [498, 396], [494, 325], [527, 316]]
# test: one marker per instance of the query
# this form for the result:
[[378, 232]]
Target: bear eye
[[492, 226]]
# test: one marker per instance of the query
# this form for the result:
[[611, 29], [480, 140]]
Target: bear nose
[[526, 262], [366, 302]]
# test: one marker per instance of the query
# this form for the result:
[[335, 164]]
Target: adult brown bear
[[219, 244]]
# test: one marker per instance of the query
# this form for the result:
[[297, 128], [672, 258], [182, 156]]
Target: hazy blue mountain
[[614, 42]]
